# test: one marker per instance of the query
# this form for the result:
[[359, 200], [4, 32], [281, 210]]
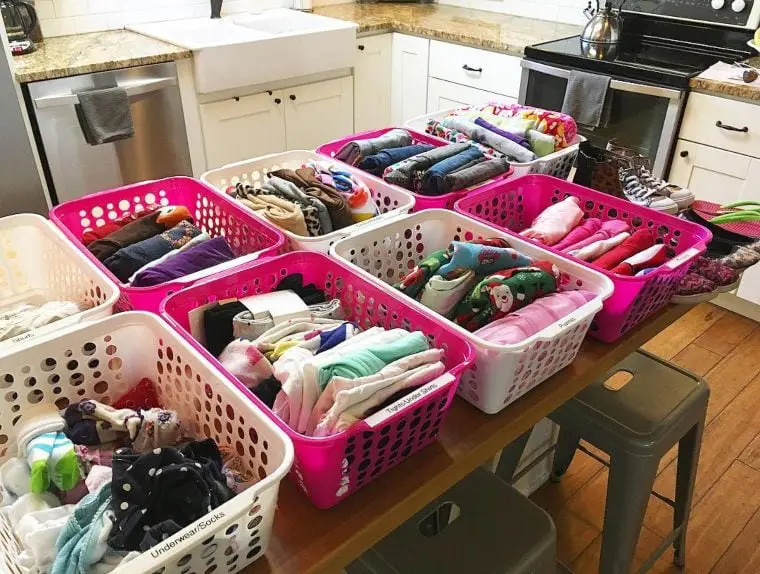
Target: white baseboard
[[738, 305]]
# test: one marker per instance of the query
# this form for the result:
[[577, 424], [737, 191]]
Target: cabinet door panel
[[242, 128], [711, 174], [443, 95], [372, 83], [409, 78], [320, 112]]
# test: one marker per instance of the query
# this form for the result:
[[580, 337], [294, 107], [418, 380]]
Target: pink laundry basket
[[248, 236], [421, 202], [329, 469], [513, 205]]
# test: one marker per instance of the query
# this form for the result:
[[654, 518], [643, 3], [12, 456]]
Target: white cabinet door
[[243, 128], [409, 78], [318, 113], [372, 83], [443, 95]]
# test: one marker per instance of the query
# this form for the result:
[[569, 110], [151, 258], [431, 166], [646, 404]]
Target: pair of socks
[[353, 152], [555, 222], [38, 532], [51, 458], [582, 231], [482, 258], [639, 241], [15, 480], [37, 420], [376, 163]]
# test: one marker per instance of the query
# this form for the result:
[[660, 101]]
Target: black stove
[[658, 47]]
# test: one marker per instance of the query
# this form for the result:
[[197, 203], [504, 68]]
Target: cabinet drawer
[[480, 69], [700, 124], [443, 95]]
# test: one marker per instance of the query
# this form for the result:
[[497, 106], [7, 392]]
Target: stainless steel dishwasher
[[157, 149]]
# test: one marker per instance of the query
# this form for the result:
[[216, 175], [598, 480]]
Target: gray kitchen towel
[[585, 98], [104, 115]]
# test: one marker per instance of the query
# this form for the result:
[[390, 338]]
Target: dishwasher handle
[[135, 88]]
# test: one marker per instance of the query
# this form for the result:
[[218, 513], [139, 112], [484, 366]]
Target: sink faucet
[[216, 8]]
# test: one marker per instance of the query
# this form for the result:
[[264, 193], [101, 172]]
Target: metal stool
[[479, 526], [652, 410]]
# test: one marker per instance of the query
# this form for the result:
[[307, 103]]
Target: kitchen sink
[[250, 49]]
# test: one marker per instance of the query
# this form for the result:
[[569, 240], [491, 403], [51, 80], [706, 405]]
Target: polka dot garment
[[163, 490]]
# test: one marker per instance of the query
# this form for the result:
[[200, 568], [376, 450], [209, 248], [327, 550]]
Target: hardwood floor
[[724, 532]]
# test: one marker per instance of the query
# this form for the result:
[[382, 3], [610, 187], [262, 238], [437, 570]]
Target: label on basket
[[380, 416], [24, 337], [207, 521], [678, 259]]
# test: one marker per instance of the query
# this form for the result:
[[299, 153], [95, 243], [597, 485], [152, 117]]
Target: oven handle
[[133, 89], [618, 85]]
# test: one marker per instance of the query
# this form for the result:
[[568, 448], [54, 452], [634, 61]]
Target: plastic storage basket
[[248, 236], [515, 204], [330, 468], [557, 164], [38, 265], [101, 361], [421, 202], [502, 373], [390, 200]]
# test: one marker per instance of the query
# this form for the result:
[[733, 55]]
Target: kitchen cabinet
[[444, 95], [241, 128], [318, 113], [303, 117], [409, 77], [372, 83]]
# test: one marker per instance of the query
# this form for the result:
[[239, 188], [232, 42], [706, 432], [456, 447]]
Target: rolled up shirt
[[491, 139]]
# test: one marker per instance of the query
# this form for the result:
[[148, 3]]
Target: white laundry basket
[[390, 199], [101, 361], [557, 164], [38, 265], [502, 373]]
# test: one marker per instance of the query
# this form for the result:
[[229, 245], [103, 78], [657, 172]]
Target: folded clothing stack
[[94, 486], [313, 200], [487, 287], [519, 133], [154, 246], [25, 318], [318, 372], [611, 245], [423, 168]]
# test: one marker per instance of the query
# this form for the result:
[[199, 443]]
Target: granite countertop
[[489, 30], [64, 56], [734, 90]]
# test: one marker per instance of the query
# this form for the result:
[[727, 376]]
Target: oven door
[[642, 117]]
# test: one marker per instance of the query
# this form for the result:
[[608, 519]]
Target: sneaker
[[682, 196], [636, 192], [743, 256], [694, 289], [725, 278]]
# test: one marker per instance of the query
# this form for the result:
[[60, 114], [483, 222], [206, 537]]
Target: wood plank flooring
[[724, 533]]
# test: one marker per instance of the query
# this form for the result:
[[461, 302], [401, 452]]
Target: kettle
[[604, 25], [20, 19]]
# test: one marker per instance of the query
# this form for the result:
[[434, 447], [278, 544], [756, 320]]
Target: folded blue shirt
[[376, 164]]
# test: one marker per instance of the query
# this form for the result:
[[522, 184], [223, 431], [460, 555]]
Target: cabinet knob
[[269, 92], [361, 47], [292, 97], [277, 101], [684, 153], [236, 98]]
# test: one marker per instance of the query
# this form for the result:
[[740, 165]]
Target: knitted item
[[582, 231], [650, 258], [38, 454], [505, 291], [639, 241], [412, 283], [555, 222], [159, 428], [482, 259], [141, 396]]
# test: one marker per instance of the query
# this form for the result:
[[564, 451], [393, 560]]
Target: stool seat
[[489, 529]]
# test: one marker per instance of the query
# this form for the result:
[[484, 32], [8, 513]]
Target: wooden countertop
[[478, 28], [307, 540]]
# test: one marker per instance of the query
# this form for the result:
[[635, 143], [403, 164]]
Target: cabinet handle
[[684, 153], [269, 92], [467, 68], [361, 47], [277, 101], [292, 97], [721, 125]]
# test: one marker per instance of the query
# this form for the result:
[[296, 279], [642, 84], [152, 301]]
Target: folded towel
[[104, 115], [433, 181], [353, 152], [491, 139], [639, 241], [376, 164], [585, 98], [207, 254], [555, 222], [408, 173], [473, 174]]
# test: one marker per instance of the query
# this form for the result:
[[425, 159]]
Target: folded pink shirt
[[583, 231], [554, 222], [609, 229], [519, 325]]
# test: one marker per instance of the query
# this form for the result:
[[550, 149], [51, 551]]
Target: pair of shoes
[[743, 256], [705, 280], [641, 188]]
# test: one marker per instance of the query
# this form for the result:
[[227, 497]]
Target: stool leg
[[630, 481], [567, 443], [510, 457], [686, 475]]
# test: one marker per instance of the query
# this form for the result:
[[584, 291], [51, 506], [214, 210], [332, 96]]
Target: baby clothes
[[160, 427], [599, 248], [203, 256], [518, 139], [652, 257], [608, 229], [376, 164], [36, 420], [555, 222], [413, 282], [639, 241], [334, 201], [300, 332], [200, 238], [281, 212], [505, 291], [25, 318], [582, 231], [353, 152], [289, 371], [436, 128], [315, 214], [526, 322], [481, 258], [442, 295]]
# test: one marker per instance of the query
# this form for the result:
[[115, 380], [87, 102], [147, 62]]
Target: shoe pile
[[642, 188]]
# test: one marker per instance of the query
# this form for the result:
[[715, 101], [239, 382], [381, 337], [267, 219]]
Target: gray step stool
[[659, 406], [481, 525]]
